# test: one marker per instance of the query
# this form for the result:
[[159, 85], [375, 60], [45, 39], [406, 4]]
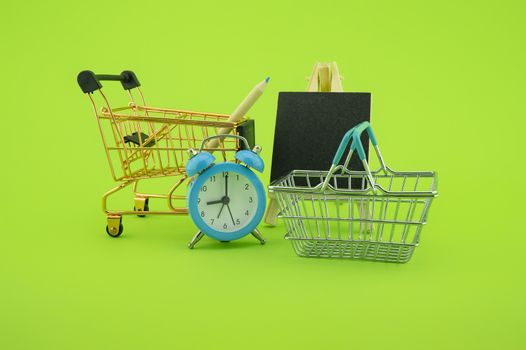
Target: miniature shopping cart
[[143, 142], [340, 213]]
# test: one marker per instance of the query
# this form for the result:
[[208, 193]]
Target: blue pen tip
[[267, 79]]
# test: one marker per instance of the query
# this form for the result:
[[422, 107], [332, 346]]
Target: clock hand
[[226, 185], [228, 207], [218, 215], [215, 202]]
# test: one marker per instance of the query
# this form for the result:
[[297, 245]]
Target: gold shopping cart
[[143, 142]]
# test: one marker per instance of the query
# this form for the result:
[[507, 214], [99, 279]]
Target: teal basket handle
[[353, 136]]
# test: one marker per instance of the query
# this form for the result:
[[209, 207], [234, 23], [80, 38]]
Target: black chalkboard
[[310, 126]]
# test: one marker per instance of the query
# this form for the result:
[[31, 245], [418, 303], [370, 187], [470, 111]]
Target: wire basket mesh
[[145, 142], [355, 214]]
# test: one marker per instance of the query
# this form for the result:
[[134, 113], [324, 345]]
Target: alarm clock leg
[[258, 236], [195, 239]]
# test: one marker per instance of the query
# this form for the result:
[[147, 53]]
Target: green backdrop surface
[[447, 80]]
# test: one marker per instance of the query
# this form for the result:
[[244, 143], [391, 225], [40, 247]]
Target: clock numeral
[[238, 222], [246, 187], [250, 200], [213, 178], [212, 221], [225, 226], [237, 177], [225, 173], [204, 188], [202, 214], [247, 213], [198, 200]]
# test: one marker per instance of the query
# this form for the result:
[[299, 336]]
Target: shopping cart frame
[[128, 144], [309, 229]]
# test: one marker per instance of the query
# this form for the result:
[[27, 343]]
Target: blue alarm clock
[[226, 200]]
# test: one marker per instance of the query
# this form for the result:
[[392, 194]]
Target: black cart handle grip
[[89, 81]]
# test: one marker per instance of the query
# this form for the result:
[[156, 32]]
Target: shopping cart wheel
[[114, 235], [145, 207], [114, 227]]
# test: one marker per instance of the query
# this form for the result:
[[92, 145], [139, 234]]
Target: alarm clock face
[[227, 201]]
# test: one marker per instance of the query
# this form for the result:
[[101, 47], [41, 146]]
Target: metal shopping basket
[[340, 213], [143, 142]]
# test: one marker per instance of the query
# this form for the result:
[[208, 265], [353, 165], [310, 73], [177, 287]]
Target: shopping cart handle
[[89, 81], [356, 144]]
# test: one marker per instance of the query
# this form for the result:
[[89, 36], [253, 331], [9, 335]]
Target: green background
[[447, 80]]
